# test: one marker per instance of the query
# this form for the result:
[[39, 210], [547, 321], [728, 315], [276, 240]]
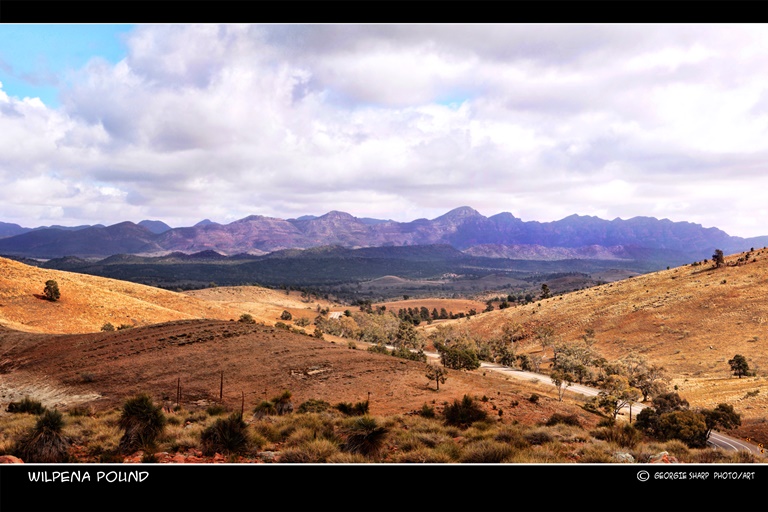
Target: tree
[[407, 337], [545, 293], [721, 416], [739, 365], [562, 380], [687, 426], [437, 374], [51, 290], [458, 357], [718, 258], [617, 394], [286, 315]]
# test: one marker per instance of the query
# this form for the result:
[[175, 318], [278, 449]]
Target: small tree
[[562, 380], [286, 315], [721, 416], [51, 290], [545, 293], [617, 394], [718, 258], [739, 366], [437, 374]]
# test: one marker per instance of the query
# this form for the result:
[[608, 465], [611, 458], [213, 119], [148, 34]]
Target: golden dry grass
[[691, 320], [88, 302]]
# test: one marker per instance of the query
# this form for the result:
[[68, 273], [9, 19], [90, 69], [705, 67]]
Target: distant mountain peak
[[155, 226], [335, 214], [462, 212]]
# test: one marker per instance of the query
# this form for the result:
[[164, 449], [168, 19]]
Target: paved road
[[716, 439]]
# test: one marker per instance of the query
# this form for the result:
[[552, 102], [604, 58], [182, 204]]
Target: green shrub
[[537, 437], [313, 405], [283, 404], [26, 405], [427, 411], [142, 422], [215, 410], [44, 442], [364, 436], [226, 436], [379, 349], [107, 327], [565, 419], [246, 318], [51, 290], [357, 409], [264, 408], [463, 413]]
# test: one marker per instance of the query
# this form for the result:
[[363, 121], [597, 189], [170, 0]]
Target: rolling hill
[[690, 319]]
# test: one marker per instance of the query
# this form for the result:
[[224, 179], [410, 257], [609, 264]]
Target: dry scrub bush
[[226, 435], [44, 442], [595, 454], [486, 451], [347, 458], [267, 430], [423, 455], [312, 451], [678, 449], [512, 435], [13, 427]]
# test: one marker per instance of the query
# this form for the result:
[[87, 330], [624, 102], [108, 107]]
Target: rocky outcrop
[[663, 458]]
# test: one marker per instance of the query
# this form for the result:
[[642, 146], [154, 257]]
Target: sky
[[180, 123]]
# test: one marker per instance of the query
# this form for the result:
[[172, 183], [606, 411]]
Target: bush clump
[[45, 442], [226, 435], [464, 413], [349, 409], [565, 419], [364, 436], [26, 405], [142, 422], [313, 405]]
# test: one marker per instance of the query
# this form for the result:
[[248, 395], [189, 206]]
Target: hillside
[[88, 302], [690, 319]]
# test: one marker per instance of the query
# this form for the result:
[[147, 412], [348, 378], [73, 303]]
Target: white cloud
[[399, 121]]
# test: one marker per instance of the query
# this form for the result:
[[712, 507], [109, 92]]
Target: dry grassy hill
[[691, 320], [88, 302], [265, 305]]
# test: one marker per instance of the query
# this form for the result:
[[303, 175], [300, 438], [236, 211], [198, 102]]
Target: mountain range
[[502, 235]]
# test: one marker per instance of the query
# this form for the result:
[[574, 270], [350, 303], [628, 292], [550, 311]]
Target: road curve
[[716, 439]]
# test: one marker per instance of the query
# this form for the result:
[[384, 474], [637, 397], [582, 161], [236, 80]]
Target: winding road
[[716, 439]]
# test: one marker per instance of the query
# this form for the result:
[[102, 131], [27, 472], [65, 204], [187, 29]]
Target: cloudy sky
[[106, 123]]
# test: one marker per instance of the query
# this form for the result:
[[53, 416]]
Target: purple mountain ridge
[[501, 235]]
